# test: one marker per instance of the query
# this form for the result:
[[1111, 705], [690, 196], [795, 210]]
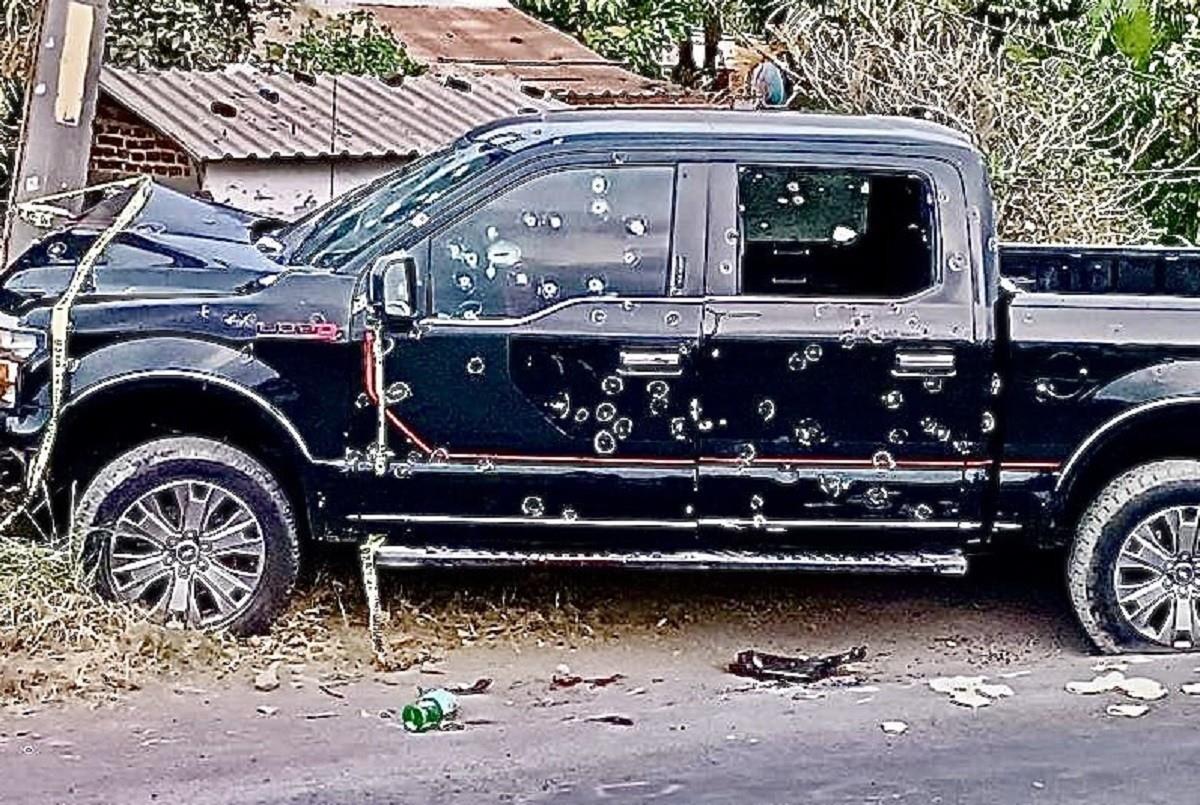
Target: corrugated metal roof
[[241, 113], [507, 42]]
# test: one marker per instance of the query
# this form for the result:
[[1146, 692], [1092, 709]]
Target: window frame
[[767, 160], [523, 175]]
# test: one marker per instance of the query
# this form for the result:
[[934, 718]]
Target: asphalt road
[[699, 735]]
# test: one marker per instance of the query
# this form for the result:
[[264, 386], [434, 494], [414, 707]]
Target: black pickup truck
[[666, 339]]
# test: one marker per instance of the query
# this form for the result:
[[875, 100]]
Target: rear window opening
[[834, 233]]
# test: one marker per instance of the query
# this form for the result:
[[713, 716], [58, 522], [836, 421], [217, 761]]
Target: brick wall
[[124, 144]]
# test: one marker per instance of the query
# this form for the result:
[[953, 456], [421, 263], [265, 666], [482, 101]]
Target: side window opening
[[834, 233], [575, 232]]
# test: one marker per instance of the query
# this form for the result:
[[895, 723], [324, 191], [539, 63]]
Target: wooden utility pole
[[60, 103]]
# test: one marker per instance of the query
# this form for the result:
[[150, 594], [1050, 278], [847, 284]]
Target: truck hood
[[177, 245]]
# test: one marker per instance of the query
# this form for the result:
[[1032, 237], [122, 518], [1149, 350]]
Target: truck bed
[[1072, 269]]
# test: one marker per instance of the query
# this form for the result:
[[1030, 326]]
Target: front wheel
[[1134, 568], [194, 532]]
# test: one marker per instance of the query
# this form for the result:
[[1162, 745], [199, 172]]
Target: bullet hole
[[418, 220], [560, 405], [246, 355], [554, 220], [631, 257], [475, 365], [597, 316], [464, 282], [996, 385], [678, 428], [766, 409], [672, 318], [843, 234], [548, 290], [636, 226], [492, 233], [397, 392], [485, 465], [658, 389], [931, 427], [56, 250], [612, 385], [876, 497], [599, 207], [533, 506], [883, 460], [595, 284], [798, 200], [622, 428], [503, 254], [957, 261], [808, 433], [933, 385], [400, 471], [658, 406], [606, 412], [989, 422], [793, 187], [922, 511], [897, 436], [469, 309], [757, 503], [439, 456], [599, 185], [582, 414], [529, 219], [796, 362], [569, 514], [813, 352], [848, 339], [362, 400], [627, 305], [831, 485], [892, 400], [746, 453], [604, 443], [963, 447]]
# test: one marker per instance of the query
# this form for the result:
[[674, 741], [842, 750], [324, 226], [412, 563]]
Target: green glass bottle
[[429, 711]]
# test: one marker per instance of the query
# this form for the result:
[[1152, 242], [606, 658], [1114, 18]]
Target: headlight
[[16, 345]]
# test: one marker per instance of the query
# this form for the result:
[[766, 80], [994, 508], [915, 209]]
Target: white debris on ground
[[1135, 687], [1190, 688], [1127, 710], [970, 691], [894, 727]]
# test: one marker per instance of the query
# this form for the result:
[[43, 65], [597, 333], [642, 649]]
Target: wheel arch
[[1158, 429], [120, 412]]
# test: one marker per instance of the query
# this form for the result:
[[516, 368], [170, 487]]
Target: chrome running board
[[948, 563]]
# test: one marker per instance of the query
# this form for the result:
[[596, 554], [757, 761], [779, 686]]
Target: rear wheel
[[194, 532], [1134, 569]]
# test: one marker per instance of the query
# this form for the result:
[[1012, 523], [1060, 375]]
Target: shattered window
[[577, 232], [816, 233], [334, 235]]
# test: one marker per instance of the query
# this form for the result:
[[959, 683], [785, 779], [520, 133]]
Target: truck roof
[[622, 123]]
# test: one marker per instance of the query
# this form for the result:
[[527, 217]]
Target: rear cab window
[[815, 232]]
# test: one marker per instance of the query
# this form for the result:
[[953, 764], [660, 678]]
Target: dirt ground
[[686, 729]]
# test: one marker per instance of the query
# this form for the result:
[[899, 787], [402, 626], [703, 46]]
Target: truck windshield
[[331, 236]]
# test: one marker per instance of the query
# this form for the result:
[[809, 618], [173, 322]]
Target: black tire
[[1120, 507], [207, 463]]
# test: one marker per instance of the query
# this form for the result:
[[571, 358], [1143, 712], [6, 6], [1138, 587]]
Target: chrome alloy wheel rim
[[190, 553], [1157, 577]]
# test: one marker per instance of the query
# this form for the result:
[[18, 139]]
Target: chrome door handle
[[645, 363], [924, 364]]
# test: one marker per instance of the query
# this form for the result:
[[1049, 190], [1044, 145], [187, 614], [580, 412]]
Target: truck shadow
[[1006, 611]]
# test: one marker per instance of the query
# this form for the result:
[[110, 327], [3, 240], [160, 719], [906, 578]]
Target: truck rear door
[[842, 382]]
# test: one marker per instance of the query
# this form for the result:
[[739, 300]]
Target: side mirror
[[392, 285]]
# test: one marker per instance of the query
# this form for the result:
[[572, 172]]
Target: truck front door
[[842, 381], [547, 380]]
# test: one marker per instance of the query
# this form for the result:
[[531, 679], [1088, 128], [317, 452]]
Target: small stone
[[894, 727], [267, 710], [1127, 710], [268, 679]]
